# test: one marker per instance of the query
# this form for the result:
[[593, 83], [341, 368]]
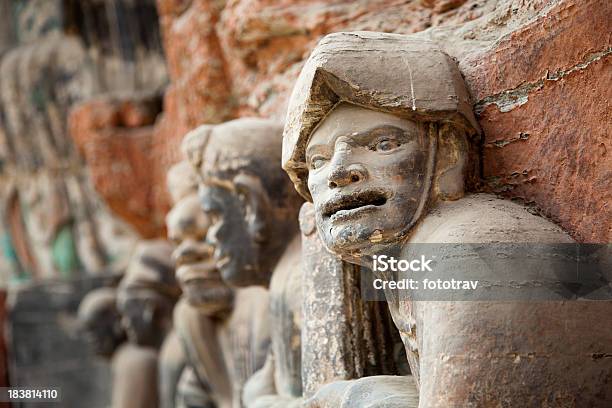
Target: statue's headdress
[[397, 74]]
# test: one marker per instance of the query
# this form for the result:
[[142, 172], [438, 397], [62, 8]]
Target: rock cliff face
[[537, 71], [52, 222], [114, 133]]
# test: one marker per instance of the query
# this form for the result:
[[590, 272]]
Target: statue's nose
[[343, 175]]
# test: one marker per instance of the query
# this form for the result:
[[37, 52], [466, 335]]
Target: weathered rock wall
[[54, 54], [538, 71], [544, 105], [114, 134]]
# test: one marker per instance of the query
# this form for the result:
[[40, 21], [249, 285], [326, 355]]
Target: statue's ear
[[256, 204], [451, 163]]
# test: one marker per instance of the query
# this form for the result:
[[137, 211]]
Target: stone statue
[[147, 294], [100, 321], [224, 331], [381, 138], [254, 230], [146, 298], [135, 377], [187, 226]]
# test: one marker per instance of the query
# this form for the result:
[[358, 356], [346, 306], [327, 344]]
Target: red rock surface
[[566, 36], [545, 99], [115, 137], [538, 70], [554, 151]]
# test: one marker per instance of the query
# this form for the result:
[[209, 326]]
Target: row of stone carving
[[381, 142], [52, 225], [54, 54]]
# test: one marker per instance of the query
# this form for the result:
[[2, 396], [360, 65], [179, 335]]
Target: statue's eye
[[386, 145], [316, 162]]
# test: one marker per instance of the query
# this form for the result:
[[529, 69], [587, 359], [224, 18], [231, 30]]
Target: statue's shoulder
[[482, 218]]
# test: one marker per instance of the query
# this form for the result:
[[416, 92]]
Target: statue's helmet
[[398, 74], [181, 181], [193, 145]]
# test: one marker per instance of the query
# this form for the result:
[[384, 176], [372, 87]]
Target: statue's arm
[[377, 391]]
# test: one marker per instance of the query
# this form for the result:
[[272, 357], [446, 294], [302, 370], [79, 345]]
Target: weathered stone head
[[147, 294], [379, 128], [187, 226], [100, 321], [250, 201]]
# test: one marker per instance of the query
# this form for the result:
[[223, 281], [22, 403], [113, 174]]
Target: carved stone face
[[249, 199], [147, 293], [237, 231], [100, 321], [196, 272], [367, 175]]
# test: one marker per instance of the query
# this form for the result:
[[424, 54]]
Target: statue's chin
[[353, 252], [361, 251]]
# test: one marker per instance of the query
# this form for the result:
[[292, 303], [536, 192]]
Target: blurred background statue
[[100, 321], [254, 232], [225, 330], [145, 299]]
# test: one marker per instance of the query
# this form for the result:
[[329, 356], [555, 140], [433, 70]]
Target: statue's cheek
[[397, 172], [316, 181], [412, 167]]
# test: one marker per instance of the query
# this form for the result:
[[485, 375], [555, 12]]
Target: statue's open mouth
[[353, 204]]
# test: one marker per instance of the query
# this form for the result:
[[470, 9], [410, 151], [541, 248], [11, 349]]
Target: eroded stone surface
[[556, 157], [63, 359], [115, 135]]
